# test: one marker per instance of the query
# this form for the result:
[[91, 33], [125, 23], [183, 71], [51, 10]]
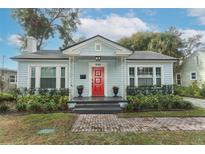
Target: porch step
[[96, 105], [97, 108]]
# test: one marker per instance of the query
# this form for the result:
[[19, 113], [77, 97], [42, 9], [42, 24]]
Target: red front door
[[98, 81]]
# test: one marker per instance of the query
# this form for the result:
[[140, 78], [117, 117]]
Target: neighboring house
[[96, 63], [192, 70], [8, 79]]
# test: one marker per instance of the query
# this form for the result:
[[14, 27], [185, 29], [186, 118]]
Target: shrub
[[202, 92], [21, 106], [36, 107], [62, 103], [15, 92], [3, 108], [191, 91], [6, 97], [157, 102], [42, 103], [51, 106]]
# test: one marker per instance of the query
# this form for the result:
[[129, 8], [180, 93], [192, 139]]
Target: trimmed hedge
[[42, 91], [149, 90], [41, 103], [157, 103]]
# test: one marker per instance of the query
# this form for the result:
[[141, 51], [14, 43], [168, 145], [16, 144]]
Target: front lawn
[[196, 112], [23, 129]]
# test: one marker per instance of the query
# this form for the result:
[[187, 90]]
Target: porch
[[97, 105]]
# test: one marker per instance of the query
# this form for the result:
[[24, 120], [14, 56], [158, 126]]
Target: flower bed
[[157, 102], [42, 103]]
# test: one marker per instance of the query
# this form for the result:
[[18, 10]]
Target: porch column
[[73, 76], [69, 78], [58, 77], [122, 75], [125, 78], [38, 76], [154, 76]]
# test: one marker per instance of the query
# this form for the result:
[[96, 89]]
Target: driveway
[[196, 102], [111, 123]]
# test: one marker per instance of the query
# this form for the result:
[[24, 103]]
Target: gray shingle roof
[[43, 54], [58, 55], [149, 55]]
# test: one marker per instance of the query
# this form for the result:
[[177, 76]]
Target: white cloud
[[14, 39], [113, 26], [192, 32], [199, 13]]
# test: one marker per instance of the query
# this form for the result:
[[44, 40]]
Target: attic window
[[97, 47]]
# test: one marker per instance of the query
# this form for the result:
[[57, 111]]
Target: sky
[[111, 23]]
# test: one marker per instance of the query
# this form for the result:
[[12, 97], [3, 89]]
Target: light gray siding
[[89, 49], [23, 70], [114, 73]]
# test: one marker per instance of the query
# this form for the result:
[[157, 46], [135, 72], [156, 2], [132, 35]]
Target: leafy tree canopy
[[168, 42], [46, 23]]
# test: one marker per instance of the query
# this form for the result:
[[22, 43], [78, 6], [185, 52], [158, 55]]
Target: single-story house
[[96, 63], [192, 70]]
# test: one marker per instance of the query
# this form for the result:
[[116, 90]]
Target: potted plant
[[80, 90], [115, 90]]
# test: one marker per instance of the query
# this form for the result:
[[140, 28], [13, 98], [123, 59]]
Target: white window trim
[[154, 73], [191, 75], [96, 44], [38, 74], [14, 79], [105, 76], [180, 78]]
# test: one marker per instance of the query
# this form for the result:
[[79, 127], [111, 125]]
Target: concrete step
[[98, 110], [93, 105]]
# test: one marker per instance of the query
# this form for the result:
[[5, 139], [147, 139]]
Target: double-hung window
[[158, 76], [178, 79], [12, 79], [145, 76], [33, 77], [48, 77], [193, 76], [132, 76], [62, 77]]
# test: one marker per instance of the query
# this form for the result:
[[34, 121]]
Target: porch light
[[97, 58]]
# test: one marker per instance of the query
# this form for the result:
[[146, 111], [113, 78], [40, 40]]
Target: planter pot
[[115, 91], [80, 90]]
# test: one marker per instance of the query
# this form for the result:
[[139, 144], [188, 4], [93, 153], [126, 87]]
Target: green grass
[[196, 112], [22, 129]]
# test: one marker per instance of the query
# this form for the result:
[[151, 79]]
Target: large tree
[[169, 42], [44, 24], [165, 43]]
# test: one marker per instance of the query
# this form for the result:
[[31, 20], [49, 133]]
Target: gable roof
[[93, 38], [149, 55], [42, 55]]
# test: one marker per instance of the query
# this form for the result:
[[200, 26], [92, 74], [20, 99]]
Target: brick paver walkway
[[111, 123]]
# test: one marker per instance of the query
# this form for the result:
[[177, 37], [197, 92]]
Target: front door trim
[[97, 64]]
